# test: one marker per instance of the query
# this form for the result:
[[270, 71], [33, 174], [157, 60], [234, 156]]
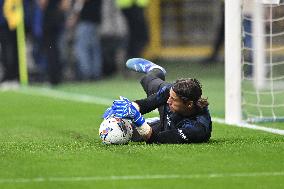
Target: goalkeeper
[[184, 114]]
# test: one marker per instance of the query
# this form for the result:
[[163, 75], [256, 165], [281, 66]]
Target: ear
[[189, 104]]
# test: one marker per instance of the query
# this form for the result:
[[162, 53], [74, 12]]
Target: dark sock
[[158, 73]]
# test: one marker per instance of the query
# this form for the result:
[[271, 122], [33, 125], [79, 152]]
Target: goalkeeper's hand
[[124, 108]]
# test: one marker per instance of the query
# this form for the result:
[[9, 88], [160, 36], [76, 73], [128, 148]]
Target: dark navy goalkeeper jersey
[[173, 127]]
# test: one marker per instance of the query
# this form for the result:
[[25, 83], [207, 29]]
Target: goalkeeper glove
[[109, 112], [123, 108]]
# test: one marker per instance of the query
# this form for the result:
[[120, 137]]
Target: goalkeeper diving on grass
[[184, 115]]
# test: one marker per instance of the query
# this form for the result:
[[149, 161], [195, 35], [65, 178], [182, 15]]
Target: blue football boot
[[142, 65]]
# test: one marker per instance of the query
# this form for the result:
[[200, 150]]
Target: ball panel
[[115, 131]]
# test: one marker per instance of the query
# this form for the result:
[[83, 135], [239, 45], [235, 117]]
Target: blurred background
[[90, 40]]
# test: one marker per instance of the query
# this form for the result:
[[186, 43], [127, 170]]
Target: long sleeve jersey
[[173, 127]]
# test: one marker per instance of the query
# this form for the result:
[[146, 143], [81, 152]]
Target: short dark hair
[[190, 89]]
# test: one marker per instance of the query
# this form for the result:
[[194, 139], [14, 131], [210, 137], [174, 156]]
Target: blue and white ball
[[115, 131]]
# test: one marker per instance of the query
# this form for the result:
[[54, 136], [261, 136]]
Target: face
[[176, 104]]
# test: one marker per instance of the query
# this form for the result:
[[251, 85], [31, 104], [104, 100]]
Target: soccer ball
[[115, 131]]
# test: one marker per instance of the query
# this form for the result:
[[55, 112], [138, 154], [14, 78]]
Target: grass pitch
[[50, 143], [53, 143]]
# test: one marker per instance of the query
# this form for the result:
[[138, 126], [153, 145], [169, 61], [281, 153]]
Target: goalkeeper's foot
[[143, 65]]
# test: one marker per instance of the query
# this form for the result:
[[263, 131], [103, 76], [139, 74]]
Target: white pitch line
[[138, 177], [104, 101], [251, 126], [64, 95]]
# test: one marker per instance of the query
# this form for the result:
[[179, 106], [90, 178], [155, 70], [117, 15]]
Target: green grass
[[52, 139], [42, 137]]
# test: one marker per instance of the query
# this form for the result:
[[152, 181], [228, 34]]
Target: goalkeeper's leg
[[153, 81]]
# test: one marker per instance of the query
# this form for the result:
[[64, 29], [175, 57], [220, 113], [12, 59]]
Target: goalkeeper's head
[[185, 96]]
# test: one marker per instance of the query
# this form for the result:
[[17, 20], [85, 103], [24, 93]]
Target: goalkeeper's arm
[[124, 108], [144, 130]]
